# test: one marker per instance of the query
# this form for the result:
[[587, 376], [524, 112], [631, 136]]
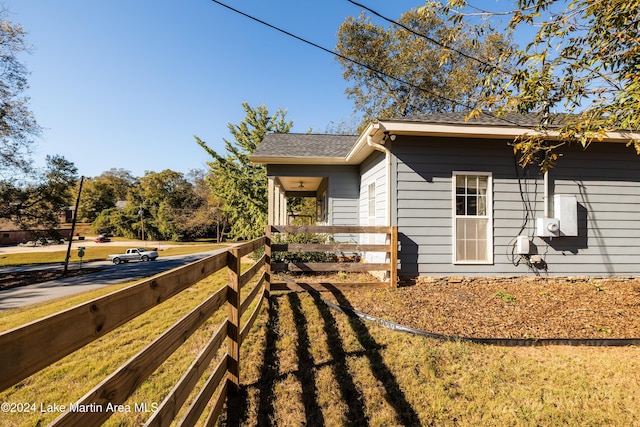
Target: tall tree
[[17, 124], [166, 198], [207, 219], [165, 205], [37, 204], [399, 71], [242, 185], [97, 196], [584, 59], [120, 180], [104, 192]]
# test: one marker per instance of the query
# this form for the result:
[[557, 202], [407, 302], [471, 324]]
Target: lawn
[[304, 364], [93, 253]]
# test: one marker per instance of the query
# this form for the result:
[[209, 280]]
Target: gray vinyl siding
[[605, 179], [373, 170], [343, 190]]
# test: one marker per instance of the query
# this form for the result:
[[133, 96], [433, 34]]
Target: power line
[[430, 39], [361, 64]]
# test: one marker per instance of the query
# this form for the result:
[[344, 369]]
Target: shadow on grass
[[348, 391], [306, 373], [270, 367], [405, 414], [268, 377], [307, 368]]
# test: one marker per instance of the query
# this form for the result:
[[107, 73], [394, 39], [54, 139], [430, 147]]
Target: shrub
[[302, 256]]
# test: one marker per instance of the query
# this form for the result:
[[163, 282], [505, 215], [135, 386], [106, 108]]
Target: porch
[[278, 240]]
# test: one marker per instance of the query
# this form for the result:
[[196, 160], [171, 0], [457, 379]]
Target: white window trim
[[489, 217], [371, 214], [371, 197]]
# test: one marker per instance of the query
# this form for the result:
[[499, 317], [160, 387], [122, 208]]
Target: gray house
[[462, 204]]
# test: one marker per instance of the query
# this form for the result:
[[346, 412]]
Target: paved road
[[109, 275]]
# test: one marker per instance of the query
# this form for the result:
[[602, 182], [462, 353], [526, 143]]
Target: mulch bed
[[519, 307]]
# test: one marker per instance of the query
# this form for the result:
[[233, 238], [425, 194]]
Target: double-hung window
[[472, 219], [371, 209], [371, 203]]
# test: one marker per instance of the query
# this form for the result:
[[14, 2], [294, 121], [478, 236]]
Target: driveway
[[109, 275]]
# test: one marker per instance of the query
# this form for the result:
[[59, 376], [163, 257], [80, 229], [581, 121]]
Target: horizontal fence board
[[249, 299], [339, 247], [247, 248], [329, 266], [27, 349], [330, 229], [327, 287], [170, 406], [117, 387], [248, 275], [200, 403], [254, 314], [218, 404]]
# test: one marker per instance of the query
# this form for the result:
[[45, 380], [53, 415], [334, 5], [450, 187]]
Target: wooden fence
[[389, 248], [28, 349]]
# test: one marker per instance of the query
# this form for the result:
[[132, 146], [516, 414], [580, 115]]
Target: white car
[[134, 254]]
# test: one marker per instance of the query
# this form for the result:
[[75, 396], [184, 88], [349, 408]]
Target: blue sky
[[127, 83]]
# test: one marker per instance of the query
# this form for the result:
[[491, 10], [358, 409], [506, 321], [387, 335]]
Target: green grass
[[322, 365], [306, 364], [69, 379], [93, 253]]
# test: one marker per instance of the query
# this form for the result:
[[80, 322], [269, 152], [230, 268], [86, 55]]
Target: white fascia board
[[483, 131], [361, 149]]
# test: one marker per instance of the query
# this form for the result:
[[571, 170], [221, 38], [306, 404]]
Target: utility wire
[[361, 64], [431, 39]]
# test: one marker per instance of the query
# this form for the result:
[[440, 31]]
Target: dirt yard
[[510, 307]]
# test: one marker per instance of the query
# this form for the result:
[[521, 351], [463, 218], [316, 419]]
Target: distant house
[[462, 204], [10, 233]]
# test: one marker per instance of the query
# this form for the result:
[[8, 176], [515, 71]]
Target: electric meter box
[[522, 245], [565, 208], [548, 227]]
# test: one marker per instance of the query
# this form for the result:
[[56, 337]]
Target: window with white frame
[[371, 205], [371, 210], [472, 219]]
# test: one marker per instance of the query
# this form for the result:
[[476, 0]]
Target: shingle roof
[[317, 146], [304, 145]]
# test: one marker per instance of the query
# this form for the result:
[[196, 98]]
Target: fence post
[[267, 261], [233, 337], [393, 257]]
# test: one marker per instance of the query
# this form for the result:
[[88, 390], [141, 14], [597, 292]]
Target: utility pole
[[73, 227], [141, 213]]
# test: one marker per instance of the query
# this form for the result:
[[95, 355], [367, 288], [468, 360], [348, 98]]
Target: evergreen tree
[[242, 185]]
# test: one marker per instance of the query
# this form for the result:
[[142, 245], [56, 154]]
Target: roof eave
[[376, 130], [297, 160], [482, 131]]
